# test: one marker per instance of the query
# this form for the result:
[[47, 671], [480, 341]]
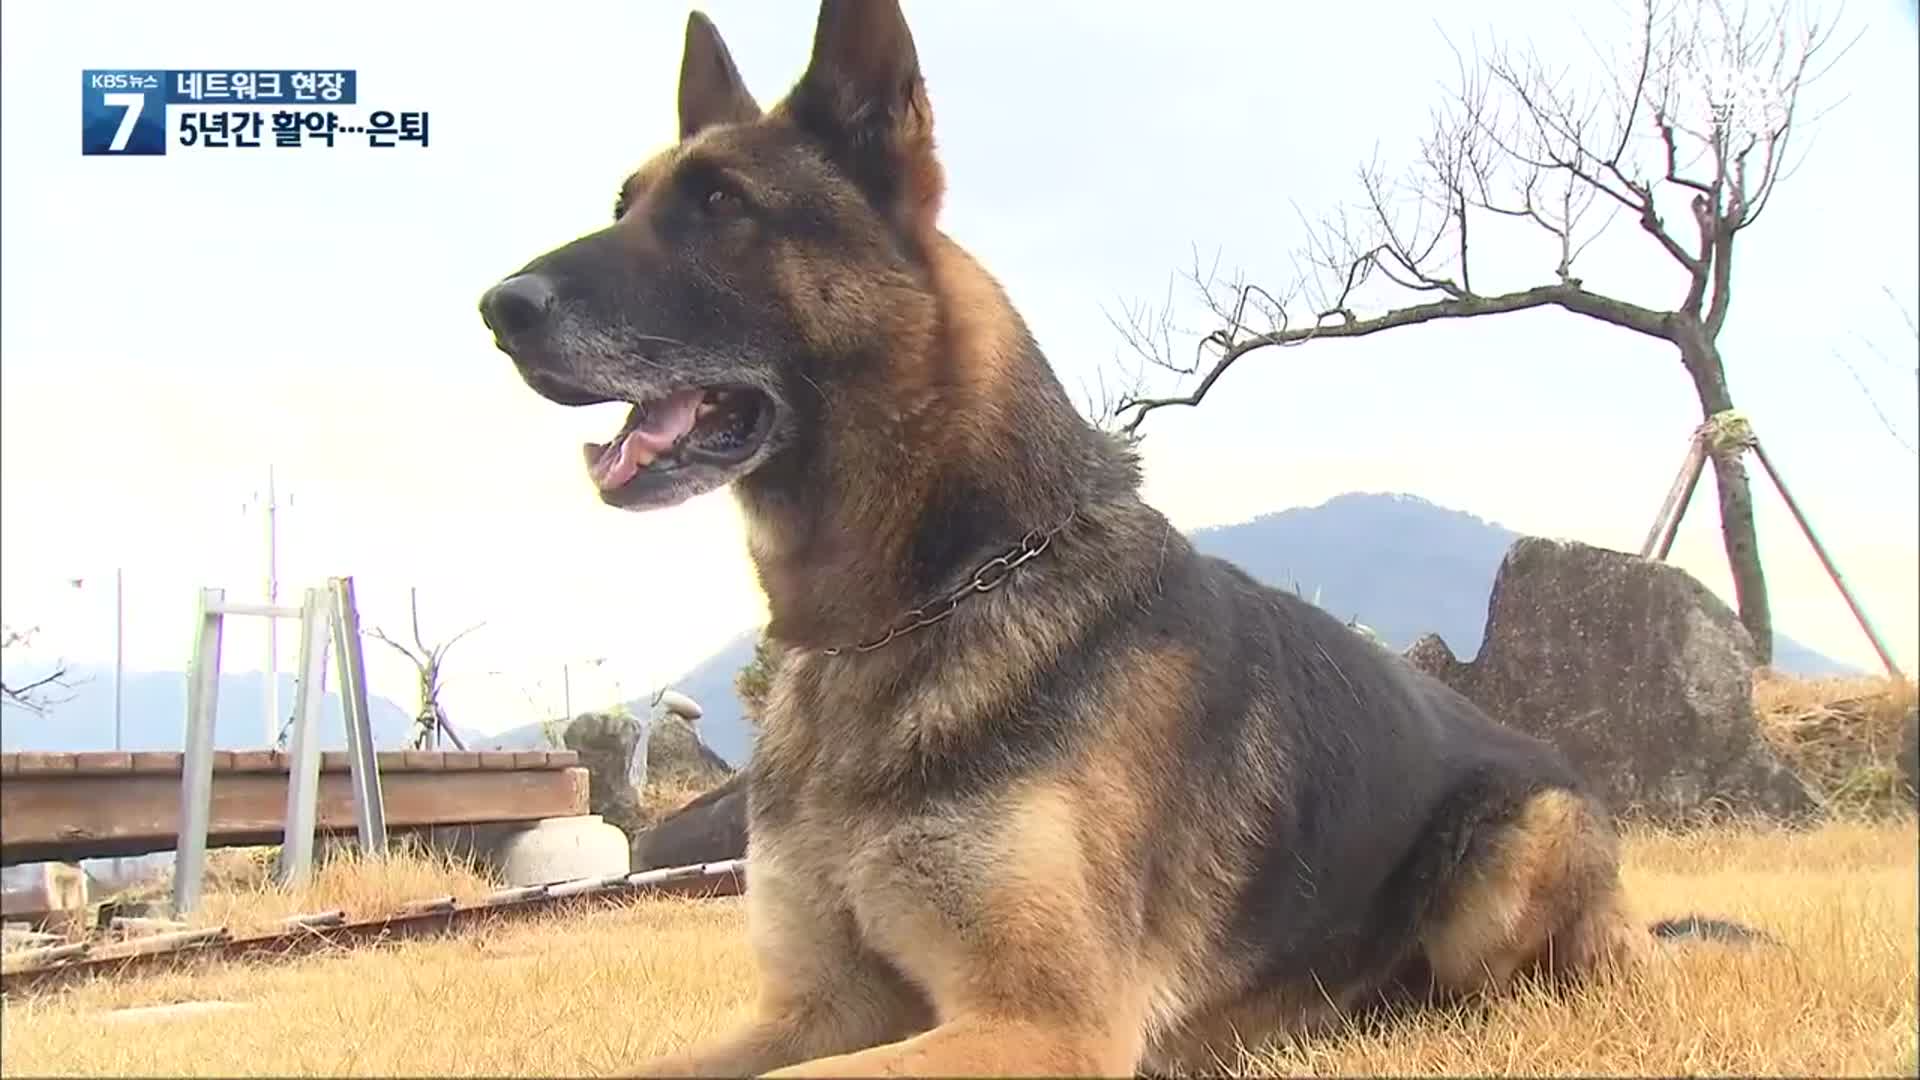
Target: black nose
[[517, 306]]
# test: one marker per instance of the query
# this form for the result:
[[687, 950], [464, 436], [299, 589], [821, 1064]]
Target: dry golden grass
[[1840, 735], [591, 991], [1837, 998], [239, 894]]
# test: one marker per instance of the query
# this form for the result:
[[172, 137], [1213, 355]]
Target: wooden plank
[[530, 759], [223, 761], [159, 762], [252, 761], [77, 816], [460, 761], [424, 760], [9, 764], [35, 763], [391, 761], [496, 759], [334, 761], [108, 762], [562, 759]]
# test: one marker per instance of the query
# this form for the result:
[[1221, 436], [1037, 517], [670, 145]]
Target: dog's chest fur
[[836, 819]]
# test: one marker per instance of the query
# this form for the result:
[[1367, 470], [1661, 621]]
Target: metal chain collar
[[988, 577]]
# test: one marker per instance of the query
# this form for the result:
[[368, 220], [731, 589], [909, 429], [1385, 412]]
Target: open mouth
[[717, 426]]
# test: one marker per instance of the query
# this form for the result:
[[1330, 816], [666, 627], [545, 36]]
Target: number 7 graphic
[[133, 103]]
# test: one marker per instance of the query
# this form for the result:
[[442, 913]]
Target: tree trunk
[[1737, 532]]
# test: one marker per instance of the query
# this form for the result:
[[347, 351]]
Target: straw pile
[[1841, 735]]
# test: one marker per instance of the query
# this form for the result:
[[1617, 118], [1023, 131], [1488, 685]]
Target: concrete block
[[542, 852]]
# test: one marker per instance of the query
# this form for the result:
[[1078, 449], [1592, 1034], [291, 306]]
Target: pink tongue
[[665, 422]]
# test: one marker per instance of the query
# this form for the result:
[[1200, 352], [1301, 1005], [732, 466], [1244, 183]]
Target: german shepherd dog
[[1039, 789]]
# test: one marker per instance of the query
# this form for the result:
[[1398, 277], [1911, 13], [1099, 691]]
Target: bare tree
[[35, 695], [1687, 138], [429, 661], [1873, 400]]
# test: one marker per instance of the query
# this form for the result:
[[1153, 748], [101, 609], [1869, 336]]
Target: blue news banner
[[126, 111]]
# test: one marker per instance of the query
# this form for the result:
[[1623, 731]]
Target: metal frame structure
[[324, 614]]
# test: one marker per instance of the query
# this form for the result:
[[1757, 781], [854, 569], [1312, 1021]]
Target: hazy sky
[[172, 324]]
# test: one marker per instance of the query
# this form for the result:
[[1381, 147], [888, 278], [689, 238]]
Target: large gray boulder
[[612, 747], [711, 828], [677, 755], [1637, 672]]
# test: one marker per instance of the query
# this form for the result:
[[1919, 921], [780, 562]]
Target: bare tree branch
[[1570, 297], [1699, 112], [428, 662], [1872, 346], [379, 635], [31, 695], [40, 694], [1906, 316]]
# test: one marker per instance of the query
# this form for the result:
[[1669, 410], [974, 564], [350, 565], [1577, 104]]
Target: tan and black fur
[[1126, 811]]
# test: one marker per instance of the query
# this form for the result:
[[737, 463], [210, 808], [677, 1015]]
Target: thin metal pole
[[119, 655], [196, 766], [566, 691], [273, 625], [303, 758], [1859, 616], [119, 666], [364, 768]]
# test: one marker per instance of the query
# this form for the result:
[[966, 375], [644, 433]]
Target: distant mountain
[[1402, 566], [1397, 563], [723, 725], [154, 714]]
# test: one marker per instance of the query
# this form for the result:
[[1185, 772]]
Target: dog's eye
[[719, 200]]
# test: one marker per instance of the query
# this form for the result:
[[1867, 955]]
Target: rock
[[45, 894], [711, 828], [676, 755], [607, 744], [610, 746], [1431, 655], [538, 852], [1907, 758], [553, 850], [1638, 673]]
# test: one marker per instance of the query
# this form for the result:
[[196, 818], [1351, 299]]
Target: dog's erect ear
[[711, 90], [863, 95]]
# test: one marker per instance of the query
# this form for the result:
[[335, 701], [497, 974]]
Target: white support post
[[325, 609], [364, 770], [303, 749], [196, 767]]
